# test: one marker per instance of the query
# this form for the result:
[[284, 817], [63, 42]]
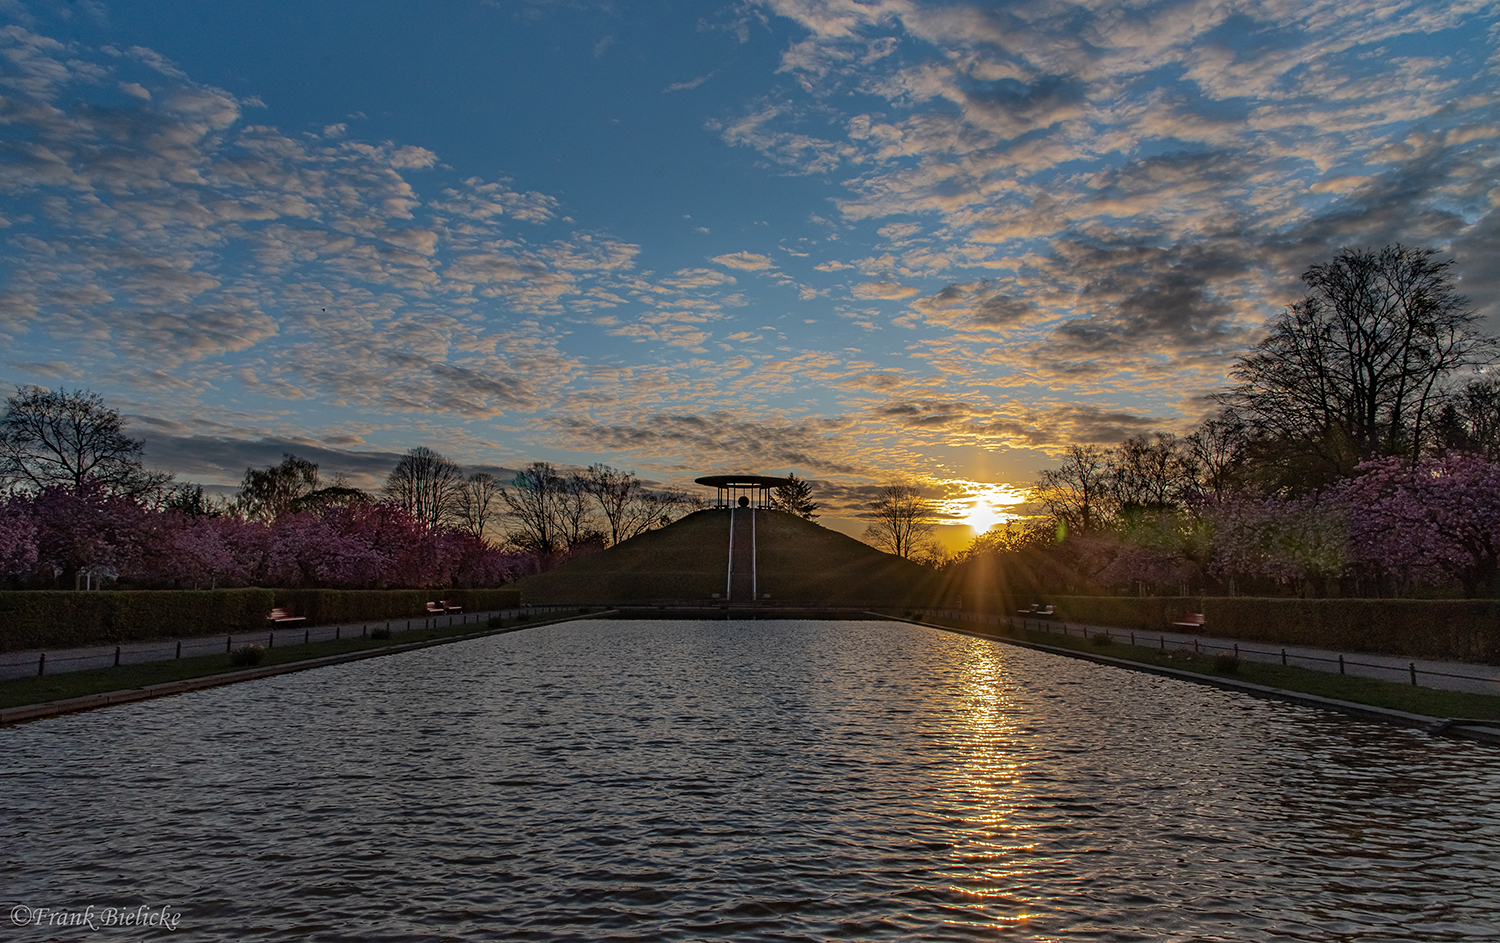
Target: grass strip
[[21, 692], [1375, 693]]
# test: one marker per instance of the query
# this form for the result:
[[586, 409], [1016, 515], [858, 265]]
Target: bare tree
[[533, 500], [903, 520], [1078, 495], [267, 493], [1218, 451], [576, 525], [1356, 368], [623, 499], [427, 485], [1150, 473], [629, 508], [478, 504], [795, 497], [70, 438]]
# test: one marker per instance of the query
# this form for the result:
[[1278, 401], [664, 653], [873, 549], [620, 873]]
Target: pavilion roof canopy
[[743, 481]]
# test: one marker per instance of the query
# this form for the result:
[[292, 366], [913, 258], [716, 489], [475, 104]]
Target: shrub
[[1227, 663], [1102, 640], [380, 633], [247, 656]]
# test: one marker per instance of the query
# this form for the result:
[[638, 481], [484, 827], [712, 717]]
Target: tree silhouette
[[50, 438], [795, 497], [903, 520]]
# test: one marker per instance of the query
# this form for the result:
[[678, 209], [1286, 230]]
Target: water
[[746, 781]]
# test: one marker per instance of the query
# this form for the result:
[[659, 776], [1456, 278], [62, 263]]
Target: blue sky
[[851, 240]]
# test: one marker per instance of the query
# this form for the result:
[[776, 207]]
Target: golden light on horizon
[[983, 505]]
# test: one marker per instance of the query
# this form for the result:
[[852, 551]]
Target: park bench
[[1043, 612], [1193, 620], [280, 616], [436, 608], [452, 605]]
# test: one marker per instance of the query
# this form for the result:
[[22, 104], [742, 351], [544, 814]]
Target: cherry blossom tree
[[1441, 516]]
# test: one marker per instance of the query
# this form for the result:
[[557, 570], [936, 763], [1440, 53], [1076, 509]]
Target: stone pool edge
[[1436, 726], [73, 705]]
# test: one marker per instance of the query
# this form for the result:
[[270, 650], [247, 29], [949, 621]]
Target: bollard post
[[1283, 658], [306, 634], [1195, 645], [1236, 651], [337, 631], [1163, 643], [41, 665], [179, 648], [228, 644], [1413, 674], [117, 657], [271, 640], [1341, 664], [1132, 636]]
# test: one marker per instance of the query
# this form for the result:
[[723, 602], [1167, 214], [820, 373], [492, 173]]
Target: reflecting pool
[[745, 780]]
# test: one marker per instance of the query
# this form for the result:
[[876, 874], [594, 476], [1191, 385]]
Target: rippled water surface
[[747, 781]]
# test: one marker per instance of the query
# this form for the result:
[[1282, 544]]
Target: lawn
[[1387, 694], [57, 687]]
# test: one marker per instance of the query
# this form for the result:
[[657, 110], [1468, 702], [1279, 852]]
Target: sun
[[983, 505]]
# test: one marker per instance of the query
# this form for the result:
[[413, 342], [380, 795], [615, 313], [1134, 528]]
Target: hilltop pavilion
[[754, 489]]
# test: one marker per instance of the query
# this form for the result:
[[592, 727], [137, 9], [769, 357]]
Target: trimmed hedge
[[65, 619], [328, 606], [1456, 629]]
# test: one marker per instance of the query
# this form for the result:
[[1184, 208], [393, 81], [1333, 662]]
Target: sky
[[860, 241]]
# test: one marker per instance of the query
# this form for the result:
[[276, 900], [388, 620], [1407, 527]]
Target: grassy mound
[[799, 563]]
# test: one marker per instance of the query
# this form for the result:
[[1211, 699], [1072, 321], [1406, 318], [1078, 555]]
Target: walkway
[[1439, 675], [29, 664], [741, 583]]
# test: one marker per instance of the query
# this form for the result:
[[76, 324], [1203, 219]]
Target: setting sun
[[983, 505]]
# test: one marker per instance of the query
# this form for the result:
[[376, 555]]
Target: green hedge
[[62, 619], [1125, 612], [1460, 629]]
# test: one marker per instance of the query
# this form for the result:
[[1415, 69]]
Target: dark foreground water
[[747, 781]]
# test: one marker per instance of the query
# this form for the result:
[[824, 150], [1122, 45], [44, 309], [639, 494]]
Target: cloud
[[413, 158], [887, 290], [690, 83], [717, 441], [746, 261]]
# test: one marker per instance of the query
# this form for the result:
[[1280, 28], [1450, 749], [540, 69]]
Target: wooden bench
[[1044, 612], [451, 605], [1193, 620], [278, 616], [436, 608]]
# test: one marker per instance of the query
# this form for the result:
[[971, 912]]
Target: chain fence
[[32, 664], [1409, 671]]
